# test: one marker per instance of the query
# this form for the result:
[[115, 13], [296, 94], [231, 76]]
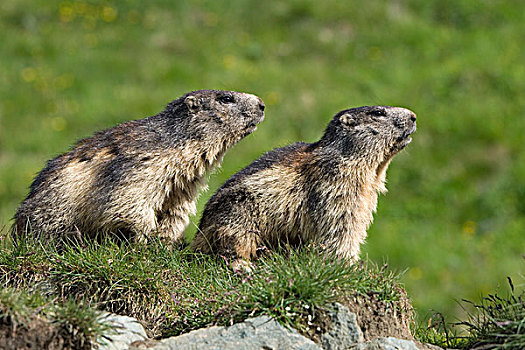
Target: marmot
[[323, 193], [139, 178]]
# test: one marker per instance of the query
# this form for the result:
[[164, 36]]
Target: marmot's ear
[[192, 102], [348, 119]]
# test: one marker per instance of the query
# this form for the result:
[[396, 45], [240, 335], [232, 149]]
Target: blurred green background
[[455, 213]]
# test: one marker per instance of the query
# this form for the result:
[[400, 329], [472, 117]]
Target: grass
[[497, 322], [455, 213], [75, 324], [173, 292]]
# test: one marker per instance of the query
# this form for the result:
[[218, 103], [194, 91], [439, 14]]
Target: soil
[[379, 318], [37, 333], [375, 317]]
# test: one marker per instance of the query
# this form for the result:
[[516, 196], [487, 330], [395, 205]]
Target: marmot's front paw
[[242, 266]]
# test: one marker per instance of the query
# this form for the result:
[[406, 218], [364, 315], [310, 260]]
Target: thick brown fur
[[323, 193], [140, 178]]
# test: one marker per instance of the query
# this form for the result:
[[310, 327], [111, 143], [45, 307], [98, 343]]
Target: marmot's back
[[139, 178], [323, 193]]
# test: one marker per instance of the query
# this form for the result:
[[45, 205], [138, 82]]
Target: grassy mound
[[173, 292], [56, 293]]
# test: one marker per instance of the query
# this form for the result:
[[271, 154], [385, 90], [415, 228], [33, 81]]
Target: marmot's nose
[[261, 104]]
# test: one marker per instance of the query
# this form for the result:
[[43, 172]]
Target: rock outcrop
[[261, 332]]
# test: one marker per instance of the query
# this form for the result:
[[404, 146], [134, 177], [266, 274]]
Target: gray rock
[[344, 331], [255, 333], [387, 343], [261, 332], [122, 332]]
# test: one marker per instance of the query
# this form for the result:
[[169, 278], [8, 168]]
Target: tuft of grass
[[76, 325], [438, 332], [80, 322], [18, 306], [176, 291], [497, 322], [292, 286]]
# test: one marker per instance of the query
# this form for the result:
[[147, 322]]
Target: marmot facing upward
[[141, 177], [323, 193]]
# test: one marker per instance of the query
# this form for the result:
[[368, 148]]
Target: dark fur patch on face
[[217, 119]]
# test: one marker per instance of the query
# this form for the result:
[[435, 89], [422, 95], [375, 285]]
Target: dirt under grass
[[30, 321], [38, 333], [379, 318]]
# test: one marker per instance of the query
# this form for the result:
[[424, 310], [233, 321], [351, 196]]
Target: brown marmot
[[139, 178], [323, 193]]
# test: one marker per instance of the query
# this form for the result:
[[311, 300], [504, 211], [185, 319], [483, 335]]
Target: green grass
[[173, 292], [455, 213], [497, 322], [77, 325]]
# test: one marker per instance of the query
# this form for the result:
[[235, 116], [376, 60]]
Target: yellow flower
[[109, 14]]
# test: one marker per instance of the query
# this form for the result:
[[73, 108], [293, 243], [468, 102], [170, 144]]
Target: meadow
[[454, 217]]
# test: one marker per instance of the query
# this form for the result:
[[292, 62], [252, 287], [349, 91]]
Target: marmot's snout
[[254, 113], [405, 121], [259, 109], [262, 106]]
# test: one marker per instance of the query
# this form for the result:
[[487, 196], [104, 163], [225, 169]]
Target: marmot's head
[[222, 113], [376, 132]]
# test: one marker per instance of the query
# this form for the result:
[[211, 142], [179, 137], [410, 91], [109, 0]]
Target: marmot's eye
[[377, 113], [227, 99]]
